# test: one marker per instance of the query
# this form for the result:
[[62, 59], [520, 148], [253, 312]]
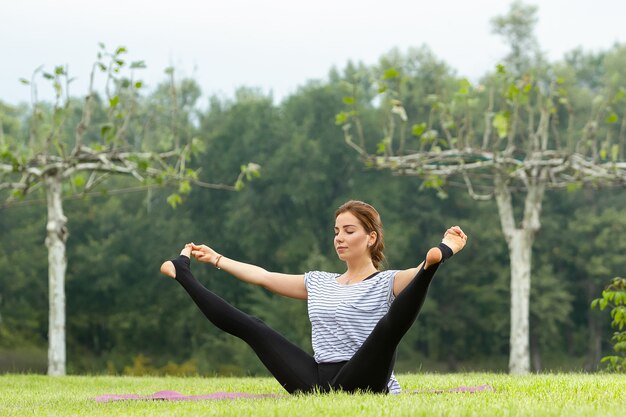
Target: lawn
[[533, 395]]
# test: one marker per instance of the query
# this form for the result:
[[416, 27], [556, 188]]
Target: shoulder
[[387, 274], [315, 277]]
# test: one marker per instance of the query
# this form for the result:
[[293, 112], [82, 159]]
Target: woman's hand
[[203, 253]]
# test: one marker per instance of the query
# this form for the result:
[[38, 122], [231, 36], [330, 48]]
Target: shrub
[[614, 296]]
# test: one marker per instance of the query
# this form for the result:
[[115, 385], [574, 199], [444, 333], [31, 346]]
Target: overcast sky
[[277, 45]]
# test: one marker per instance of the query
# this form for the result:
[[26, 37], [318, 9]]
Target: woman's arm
[[283, 284], [454, 238]]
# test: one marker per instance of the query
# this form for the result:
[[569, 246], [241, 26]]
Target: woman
[[357, 318]]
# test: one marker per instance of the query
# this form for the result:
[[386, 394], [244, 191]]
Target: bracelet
[[218, 261]]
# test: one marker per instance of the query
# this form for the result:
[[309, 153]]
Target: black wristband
[[446, 252]]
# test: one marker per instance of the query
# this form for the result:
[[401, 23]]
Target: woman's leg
[[371, 366], [294, 369]]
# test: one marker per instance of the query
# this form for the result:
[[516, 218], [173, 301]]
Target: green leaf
[[464, 87], [138, 85], [120, 50], [574, 186], [174, 200], [612, 118], [106, 129], [143, 165], [17, 194], [348, 100], [137, 65], [24, 81], [79, 181], [341, 118], [59, 70], [594, 303], [58, 116], [418, 129], [114, 101], [102, 67], [119, 62], [391, 73], [500, 69], [512, 92], [501, 124], [48, 76], [184, 187], [433, 181], [101, 45], [169, 70], [239, 185], [251, 170], [382, 89], [197, 146], [619, 96], [429, 136]]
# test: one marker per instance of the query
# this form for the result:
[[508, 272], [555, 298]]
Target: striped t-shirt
[[342, 316]]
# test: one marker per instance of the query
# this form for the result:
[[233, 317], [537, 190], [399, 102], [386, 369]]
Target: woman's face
[[351, 239]]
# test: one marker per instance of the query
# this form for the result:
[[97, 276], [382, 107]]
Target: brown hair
[[370, 219]]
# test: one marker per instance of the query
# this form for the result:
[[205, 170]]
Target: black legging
[[370, 367]]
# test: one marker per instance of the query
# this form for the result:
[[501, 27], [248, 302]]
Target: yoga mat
[[177, 396]]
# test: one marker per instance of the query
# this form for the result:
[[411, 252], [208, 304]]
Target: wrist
[[217, 260]]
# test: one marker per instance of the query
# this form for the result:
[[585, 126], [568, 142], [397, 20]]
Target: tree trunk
[[520, 242], [520, 252], [55, 241]]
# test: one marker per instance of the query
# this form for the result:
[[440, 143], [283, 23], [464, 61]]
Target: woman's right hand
[[203, 253]]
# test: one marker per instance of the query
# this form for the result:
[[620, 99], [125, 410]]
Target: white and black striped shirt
[[343, 316]]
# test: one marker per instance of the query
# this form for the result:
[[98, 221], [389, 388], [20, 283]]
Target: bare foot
[[454, 238], [167, 267], [433, 257]]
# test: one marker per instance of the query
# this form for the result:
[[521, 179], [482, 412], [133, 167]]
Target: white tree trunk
[[520, 249], [520, 243], [55, 241]]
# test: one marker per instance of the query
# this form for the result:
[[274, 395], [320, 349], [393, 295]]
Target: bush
[[141, 366], [614, 296]]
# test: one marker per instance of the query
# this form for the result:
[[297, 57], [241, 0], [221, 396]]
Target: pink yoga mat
[[177, 396]]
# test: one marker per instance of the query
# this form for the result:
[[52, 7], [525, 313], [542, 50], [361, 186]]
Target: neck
[[360, 268]]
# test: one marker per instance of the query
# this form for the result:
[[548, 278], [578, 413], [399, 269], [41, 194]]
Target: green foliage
[[614, 296], [118, 305], [501, 123], [142, 367], [517, 28]]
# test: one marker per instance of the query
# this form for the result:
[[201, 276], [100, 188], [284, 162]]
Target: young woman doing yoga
[[357, 318]]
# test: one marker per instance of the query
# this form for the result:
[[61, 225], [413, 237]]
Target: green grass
[[533, 395]]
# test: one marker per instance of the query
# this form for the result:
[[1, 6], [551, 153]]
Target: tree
[[509, 139], [66, 154]]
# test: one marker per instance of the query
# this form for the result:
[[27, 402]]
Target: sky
[[276, 45]]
